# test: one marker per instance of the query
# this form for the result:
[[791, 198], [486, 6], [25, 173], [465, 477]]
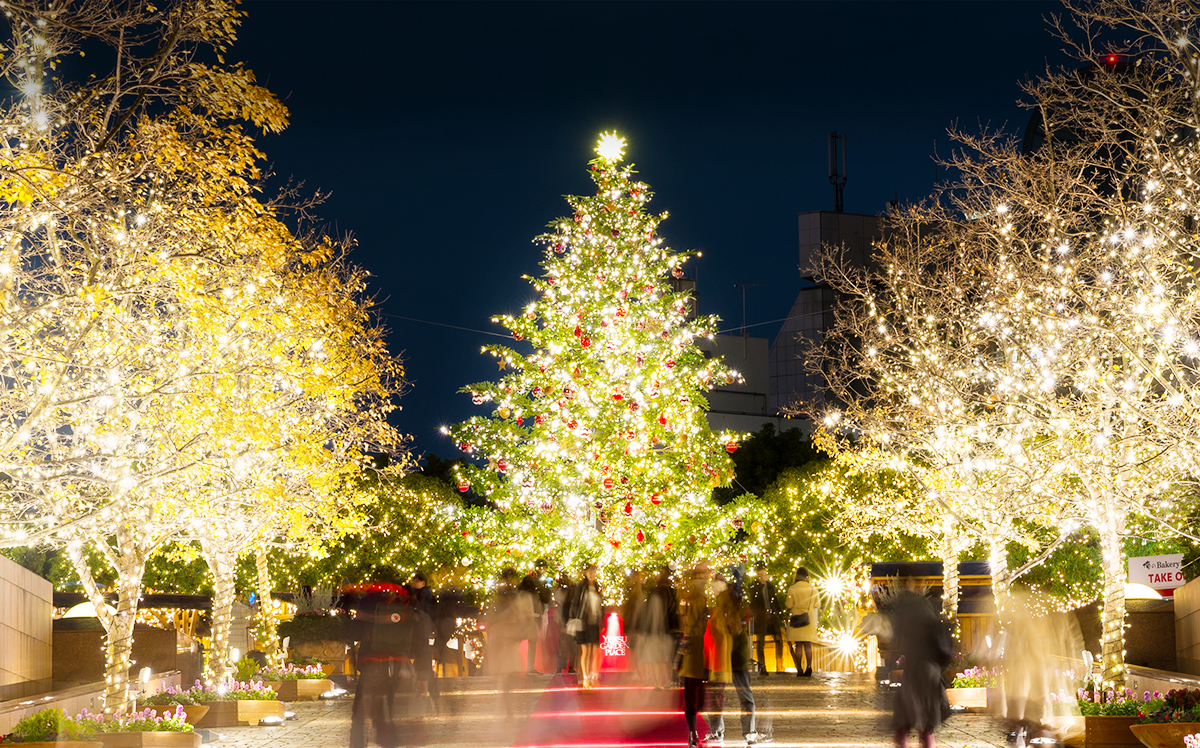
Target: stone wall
[[1187, 628], [79, 655], [26, 610]]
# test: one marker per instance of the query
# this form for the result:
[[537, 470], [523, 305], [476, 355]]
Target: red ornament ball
[[463, 487], [586, 342], [608, 483], [502, 465], [731, 446], [655, 499]]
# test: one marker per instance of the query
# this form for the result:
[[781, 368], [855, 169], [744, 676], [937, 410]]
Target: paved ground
[[828, 711]]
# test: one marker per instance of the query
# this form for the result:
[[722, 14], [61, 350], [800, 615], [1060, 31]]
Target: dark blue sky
[[447, 133]]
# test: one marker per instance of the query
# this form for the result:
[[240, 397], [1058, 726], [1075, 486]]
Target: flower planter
[[301, 689], [970, 698], [194, 712], [240, 712], [60, 744], [1104, 731], [157, 739], [1165, 734]]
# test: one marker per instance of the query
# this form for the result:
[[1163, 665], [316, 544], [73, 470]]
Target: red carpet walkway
[[615, 713]]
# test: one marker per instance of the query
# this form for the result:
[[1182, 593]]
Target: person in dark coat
[[923, 639], [393, 637], [692, 667], [568, 648], [538, 590], [764, 604], [587, 608]]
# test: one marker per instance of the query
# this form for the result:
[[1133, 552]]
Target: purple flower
[[1146, 697], [1110, 695], [1079, 694]]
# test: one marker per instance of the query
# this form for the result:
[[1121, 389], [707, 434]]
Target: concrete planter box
[[1165, 734], [194, 712], [970, 698], [150, 739], [238, 713], [304, 689]]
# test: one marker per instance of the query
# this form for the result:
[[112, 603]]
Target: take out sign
[[1157, 572]]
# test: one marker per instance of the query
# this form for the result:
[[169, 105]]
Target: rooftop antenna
[[837, 176], [745, 340]]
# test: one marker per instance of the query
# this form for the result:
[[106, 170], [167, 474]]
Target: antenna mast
[[837, 172]]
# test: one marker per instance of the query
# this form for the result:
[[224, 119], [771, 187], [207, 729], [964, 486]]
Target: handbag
[[574, 626], [798, 620], [681, 649]]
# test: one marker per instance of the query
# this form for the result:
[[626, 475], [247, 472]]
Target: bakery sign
[[1157, 572]]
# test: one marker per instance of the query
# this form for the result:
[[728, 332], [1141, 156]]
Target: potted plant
[[1172, 719], [50, 727], [1108, 715], [144, 729], [237, 703], [294, 683], [969, 689], [172, 699]]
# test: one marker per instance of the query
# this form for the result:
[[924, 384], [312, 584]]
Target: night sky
[[447, 133]]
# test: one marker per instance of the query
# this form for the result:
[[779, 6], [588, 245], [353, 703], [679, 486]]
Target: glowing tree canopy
[[150, 299], [598, 440], [1030, 335]]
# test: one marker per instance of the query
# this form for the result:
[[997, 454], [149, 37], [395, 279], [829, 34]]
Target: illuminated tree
[[142, 288], [599, 438], [1031, 332]]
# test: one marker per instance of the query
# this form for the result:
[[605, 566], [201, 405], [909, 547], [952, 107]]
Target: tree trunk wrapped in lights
[[119, 624], [597, 446], [264, 620], [950, 577], [222, 563]]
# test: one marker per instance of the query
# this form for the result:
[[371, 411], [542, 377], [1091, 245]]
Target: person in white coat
[[803, 606]]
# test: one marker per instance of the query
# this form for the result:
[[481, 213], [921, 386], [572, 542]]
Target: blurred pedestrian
[[508, 624], [720, 669], [740, 660], [392, 633], [587, 615], [657, 629], [538, 590], [692, 670], [922, 639], [631, 606], [448, 602], [1035, 651], [568, 648], [804, 607], [418, 590], [764, 603]]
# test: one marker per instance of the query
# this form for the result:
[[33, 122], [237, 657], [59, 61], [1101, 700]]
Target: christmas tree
[[597, 447]]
